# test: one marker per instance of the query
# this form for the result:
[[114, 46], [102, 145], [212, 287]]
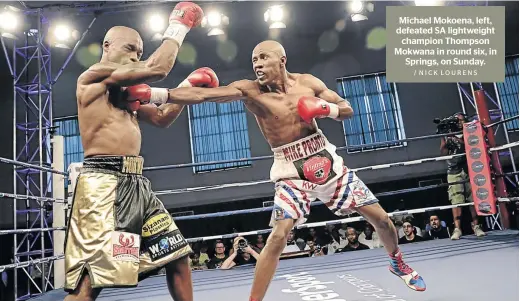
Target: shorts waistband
[[122, 164], [302, 148]]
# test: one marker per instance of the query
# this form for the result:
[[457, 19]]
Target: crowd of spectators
[[226, 254]]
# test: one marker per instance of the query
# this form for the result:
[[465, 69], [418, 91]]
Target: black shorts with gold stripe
[[118, 228]]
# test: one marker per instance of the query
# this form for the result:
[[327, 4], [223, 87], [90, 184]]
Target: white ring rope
[[30, 197], [233, 235], [340, 221], [374, 167]]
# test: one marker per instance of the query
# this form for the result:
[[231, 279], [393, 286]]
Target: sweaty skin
[[107, 127]]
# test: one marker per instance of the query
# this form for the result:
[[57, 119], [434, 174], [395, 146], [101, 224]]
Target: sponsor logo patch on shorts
[[165, 245], [156, 224], [361, 193], [125, 246]]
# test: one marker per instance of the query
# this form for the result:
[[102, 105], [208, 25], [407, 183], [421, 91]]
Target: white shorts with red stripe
[[310, 169]]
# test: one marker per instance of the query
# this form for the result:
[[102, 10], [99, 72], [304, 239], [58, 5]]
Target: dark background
[[307, 21]]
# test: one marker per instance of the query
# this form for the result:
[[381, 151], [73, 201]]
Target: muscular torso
[[106, 126], [277, 113]]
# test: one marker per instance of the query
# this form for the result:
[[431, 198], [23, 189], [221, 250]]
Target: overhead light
[[156, 23], [215, 32], [216, 22], [356, 6], [214, 19], [8, 20], [359, 10], [274, 15], [62, 32], [277, 25]]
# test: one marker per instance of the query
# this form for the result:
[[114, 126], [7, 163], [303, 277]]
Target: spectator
[[353, 242], [202, 249], [241, 255], [313, 235], [220, 256], [410, 234], [417, 230], [259, 244], [196, 263], [370, 238], [292, 245], [459, 193], [343, 231], [436, 229]]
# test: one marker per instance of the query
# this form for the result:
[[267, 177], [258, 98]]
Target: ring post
[[58, 210], [500, 185]]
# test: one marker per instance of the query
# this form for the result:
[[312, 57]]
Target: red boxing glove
[[187, 13], [202, 77], [310, 107], [141, 92]]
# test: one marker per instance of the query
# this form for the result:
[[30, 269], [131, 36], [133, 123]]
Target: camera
[[242, 244], [449, 124]]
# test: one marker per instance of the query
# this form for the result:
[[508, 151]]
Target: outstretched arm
[[171, 101], [344, 109]]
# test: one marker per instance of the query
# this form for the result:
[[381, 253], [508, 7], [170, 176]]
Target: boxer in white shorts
[[309, 169], [306, 166]]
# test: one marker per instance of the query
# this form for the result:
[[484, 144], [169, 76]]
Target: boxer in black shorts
[[118, 228]]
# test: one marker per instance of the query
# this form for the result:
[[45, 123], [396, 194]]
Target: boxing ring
[[358, 275], [448, 267], [453, 270]]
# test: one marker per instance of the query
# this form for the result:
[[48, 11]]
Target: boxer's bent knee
[[280, 231]]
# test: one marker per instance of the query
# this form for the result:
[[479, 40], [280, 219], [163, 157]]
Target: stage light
[[275, 15], [8, 20], [156, 23], [356, 7], [216, 22], [62, 33], [214, 19]]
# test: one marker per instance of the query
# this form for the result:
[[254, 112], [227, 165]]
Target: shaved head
[[269, 61], [122, 45], [270, 46], [119, 32]]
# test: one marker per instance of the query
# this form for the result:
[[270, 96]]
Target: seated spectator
[[410, 234], [334, 242], [343, 230], [353, 242], [202, 249], [370, 238], [220, 256], [313, 235], [292, 245], [436, 229], [259, 244], [196, 263], [242, 254], [409, 219]]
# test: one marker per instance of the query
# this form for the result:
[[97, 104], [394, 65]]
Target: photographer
[[242, 254], [458, 193]]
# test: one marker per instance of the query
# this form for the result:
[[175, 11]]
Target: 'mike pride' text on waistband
[[304, 148]]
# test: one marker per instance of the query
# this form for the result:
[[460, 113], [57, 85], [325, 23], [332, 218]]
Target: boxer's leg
[[378, 217], [178, 278], [269, 257], [84, 291]]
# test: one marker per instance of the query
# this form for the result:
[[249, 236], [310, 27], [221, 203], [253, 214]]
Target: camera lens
[[242, 243]]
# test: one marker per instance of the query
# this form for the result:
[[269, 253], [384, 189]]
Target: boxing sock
[[176, 31]]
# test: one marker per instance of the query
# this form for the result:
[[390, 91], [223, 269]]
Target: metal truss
[[29, 62], [30, 67]]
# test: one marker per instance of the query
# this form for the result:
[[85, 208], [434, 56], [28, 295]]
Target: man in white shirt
[[370, 238]]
